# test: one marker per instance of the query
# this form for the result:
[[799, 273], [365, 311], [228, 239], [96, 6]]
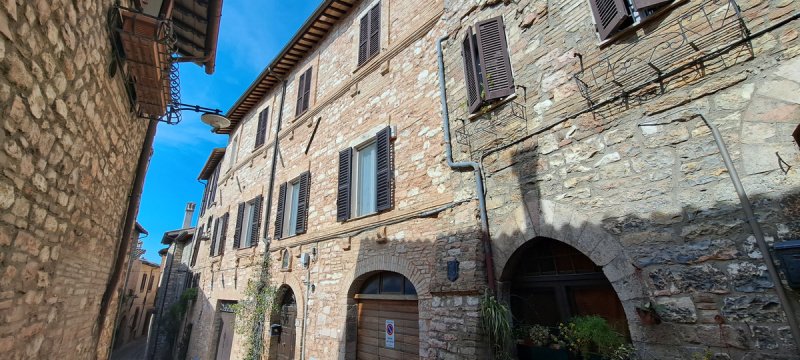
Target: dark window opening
[[389, 283]]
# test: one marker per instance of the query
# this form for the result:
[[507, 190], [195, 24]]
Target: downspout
[[305, 313], [757, 231], [258, 331], [465, 166], [134, 199]]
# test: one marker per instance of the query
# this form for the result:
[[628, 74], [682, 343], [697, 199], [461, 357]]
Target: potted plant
[[536, 342], [592, 337], [648, 313]]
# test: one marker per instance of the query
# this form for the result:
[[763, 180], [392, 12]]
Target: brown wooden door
[[285, 349], [372, 316]]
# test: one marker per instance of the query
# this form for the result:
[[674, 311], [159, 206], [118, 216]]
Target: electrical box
[[788, 252], [275, 330], [305, 260]]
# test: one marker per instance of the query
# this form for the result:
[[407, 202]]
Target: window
[[150, 284], [218, 238], [369, 34], [365, 178], [292, 212], [610, 16], [198, 236], [261, 130], [388, 283], [144, 281], [303, 92], [487, 66], [248, 223], [211, 188], [286, 259]]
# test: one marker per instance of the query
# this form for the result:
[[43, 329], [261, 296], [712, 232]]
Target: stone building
[[138, 302], [76, 144], [607, 187]]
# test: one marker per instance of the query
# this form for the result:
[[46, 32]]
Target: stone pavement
[[132, 351]]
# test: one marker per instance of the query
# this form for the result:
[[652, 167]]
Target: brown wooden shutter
[[302, 203], [645, 4], [498, 81], [279, 212], [343, 195], [255, 225], [307, 90], [205, 198], [300, 92], [213, 183], [197, 237], [383, 150], [469, 55], [214, 238], [261, 131], [363, 40], [237, 234], [375, 30], [609, 16], [224, 232]]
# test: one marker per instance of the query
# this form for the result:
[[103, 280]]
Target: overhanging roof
[[316, 27], [211, 163], [177, 235], [196, 26], [140, 229]]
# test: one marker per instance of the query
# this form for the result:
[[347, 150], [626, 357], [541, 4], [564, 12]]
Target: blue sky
[[252, 32]]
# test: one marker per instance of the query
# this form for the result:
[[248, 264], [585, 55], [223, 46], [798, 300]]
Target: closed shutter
[[198, 236], [213, 183], [224, 230], [255, 222], [300, 92], [375, 30], [498, 81], [383, 167], [609, 15], [343, 194], [205, 198], [214, 238], [261, 132], [363, 40], [645, 4], [307, 90], [279, 213], [471, 72], [302, 203], [237, 234]]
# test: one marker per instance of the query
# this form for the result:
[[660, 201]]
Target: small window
[[365, 178], [144, 281], [150, 284], [286, 259], [303, 92], [248, 224], [389, 283], [292, 212], [369, 34], [487, 66], [611, 16], [211, 188], [261, 129]]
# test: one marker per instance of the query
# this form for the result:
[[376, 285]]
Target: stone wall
[[70, 146], [639, 186], [165, 331]]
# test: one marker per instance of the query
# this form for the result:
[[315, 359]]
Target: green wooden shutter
[[343, 194], [279, 213]]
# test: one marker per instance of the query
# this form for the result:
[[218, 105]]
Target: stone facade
[[70, 148], [138, 303], [638, 184]]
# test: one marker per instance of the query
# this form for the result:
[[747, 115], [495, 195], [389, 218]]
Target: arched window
[[388, 283], [286, 259]]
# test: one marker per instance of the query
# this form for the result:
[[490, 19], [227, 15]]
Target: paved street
[[131, 351]]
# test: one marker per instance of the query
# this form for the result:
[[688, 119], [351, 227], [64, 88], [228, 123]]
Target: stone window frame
[[286, 260]]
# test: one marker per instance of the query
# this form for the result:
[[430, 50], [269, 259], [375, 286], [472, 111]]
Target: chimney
[[187, 218]]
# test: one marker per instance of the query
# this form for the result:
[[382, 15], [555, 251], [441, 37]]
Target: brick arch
[[366, 267]]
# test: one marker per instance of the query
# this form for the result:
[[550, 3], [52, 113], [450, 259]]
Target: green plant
[[705, 355], [172, 321], [495, 321], [588, 335], [539, 334], [258, 300]]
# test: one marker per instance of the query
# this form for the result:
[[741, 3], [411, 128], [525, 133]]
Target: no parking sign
[[390, 330]]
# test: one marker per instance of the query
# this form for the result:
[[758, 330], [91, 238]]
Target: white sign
[[390, 330]]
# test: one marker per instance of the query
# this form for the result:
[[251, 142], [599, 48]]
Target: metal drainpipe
[[305, 311], [466, 165], [757, 231], [258, 331]]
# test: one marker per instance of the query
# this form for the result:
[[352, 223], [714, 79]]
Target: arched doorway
[[388, 317], [282, 345], [550, 282]]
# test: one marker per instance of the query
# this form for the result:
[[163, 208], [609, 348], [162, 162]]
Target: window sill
[[635, 27], [289, 269], [362, 216], [245, 251], [367, 61], [258, 146]]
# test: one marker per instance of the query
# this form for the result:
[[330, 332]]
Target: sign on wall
[[390, 330]]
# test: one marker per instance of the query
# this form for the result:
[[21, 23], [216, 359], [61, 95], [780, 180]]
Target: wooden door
[[225, 336], [372, 316], [285, 349]]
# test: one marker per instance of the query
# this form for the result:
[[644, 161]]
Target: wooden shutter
[[498, 81], [307, 90], [645, 4], [197, 237], [261, 131], [279, 212], [363, 40], [213, 183], [224, 230], [609, 15], [300, 92], [302, 202], [469, 55], [374, 30], [383, 161], [214, 238], [343, 195], [237, 234], [255, 224]]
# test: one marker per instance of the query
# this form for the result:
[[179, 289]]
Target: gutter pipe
[[258, 330], [465, 166], [757, 231]]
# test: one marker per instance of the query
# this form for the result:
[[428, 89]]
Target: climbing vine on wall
[[258, 300]]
